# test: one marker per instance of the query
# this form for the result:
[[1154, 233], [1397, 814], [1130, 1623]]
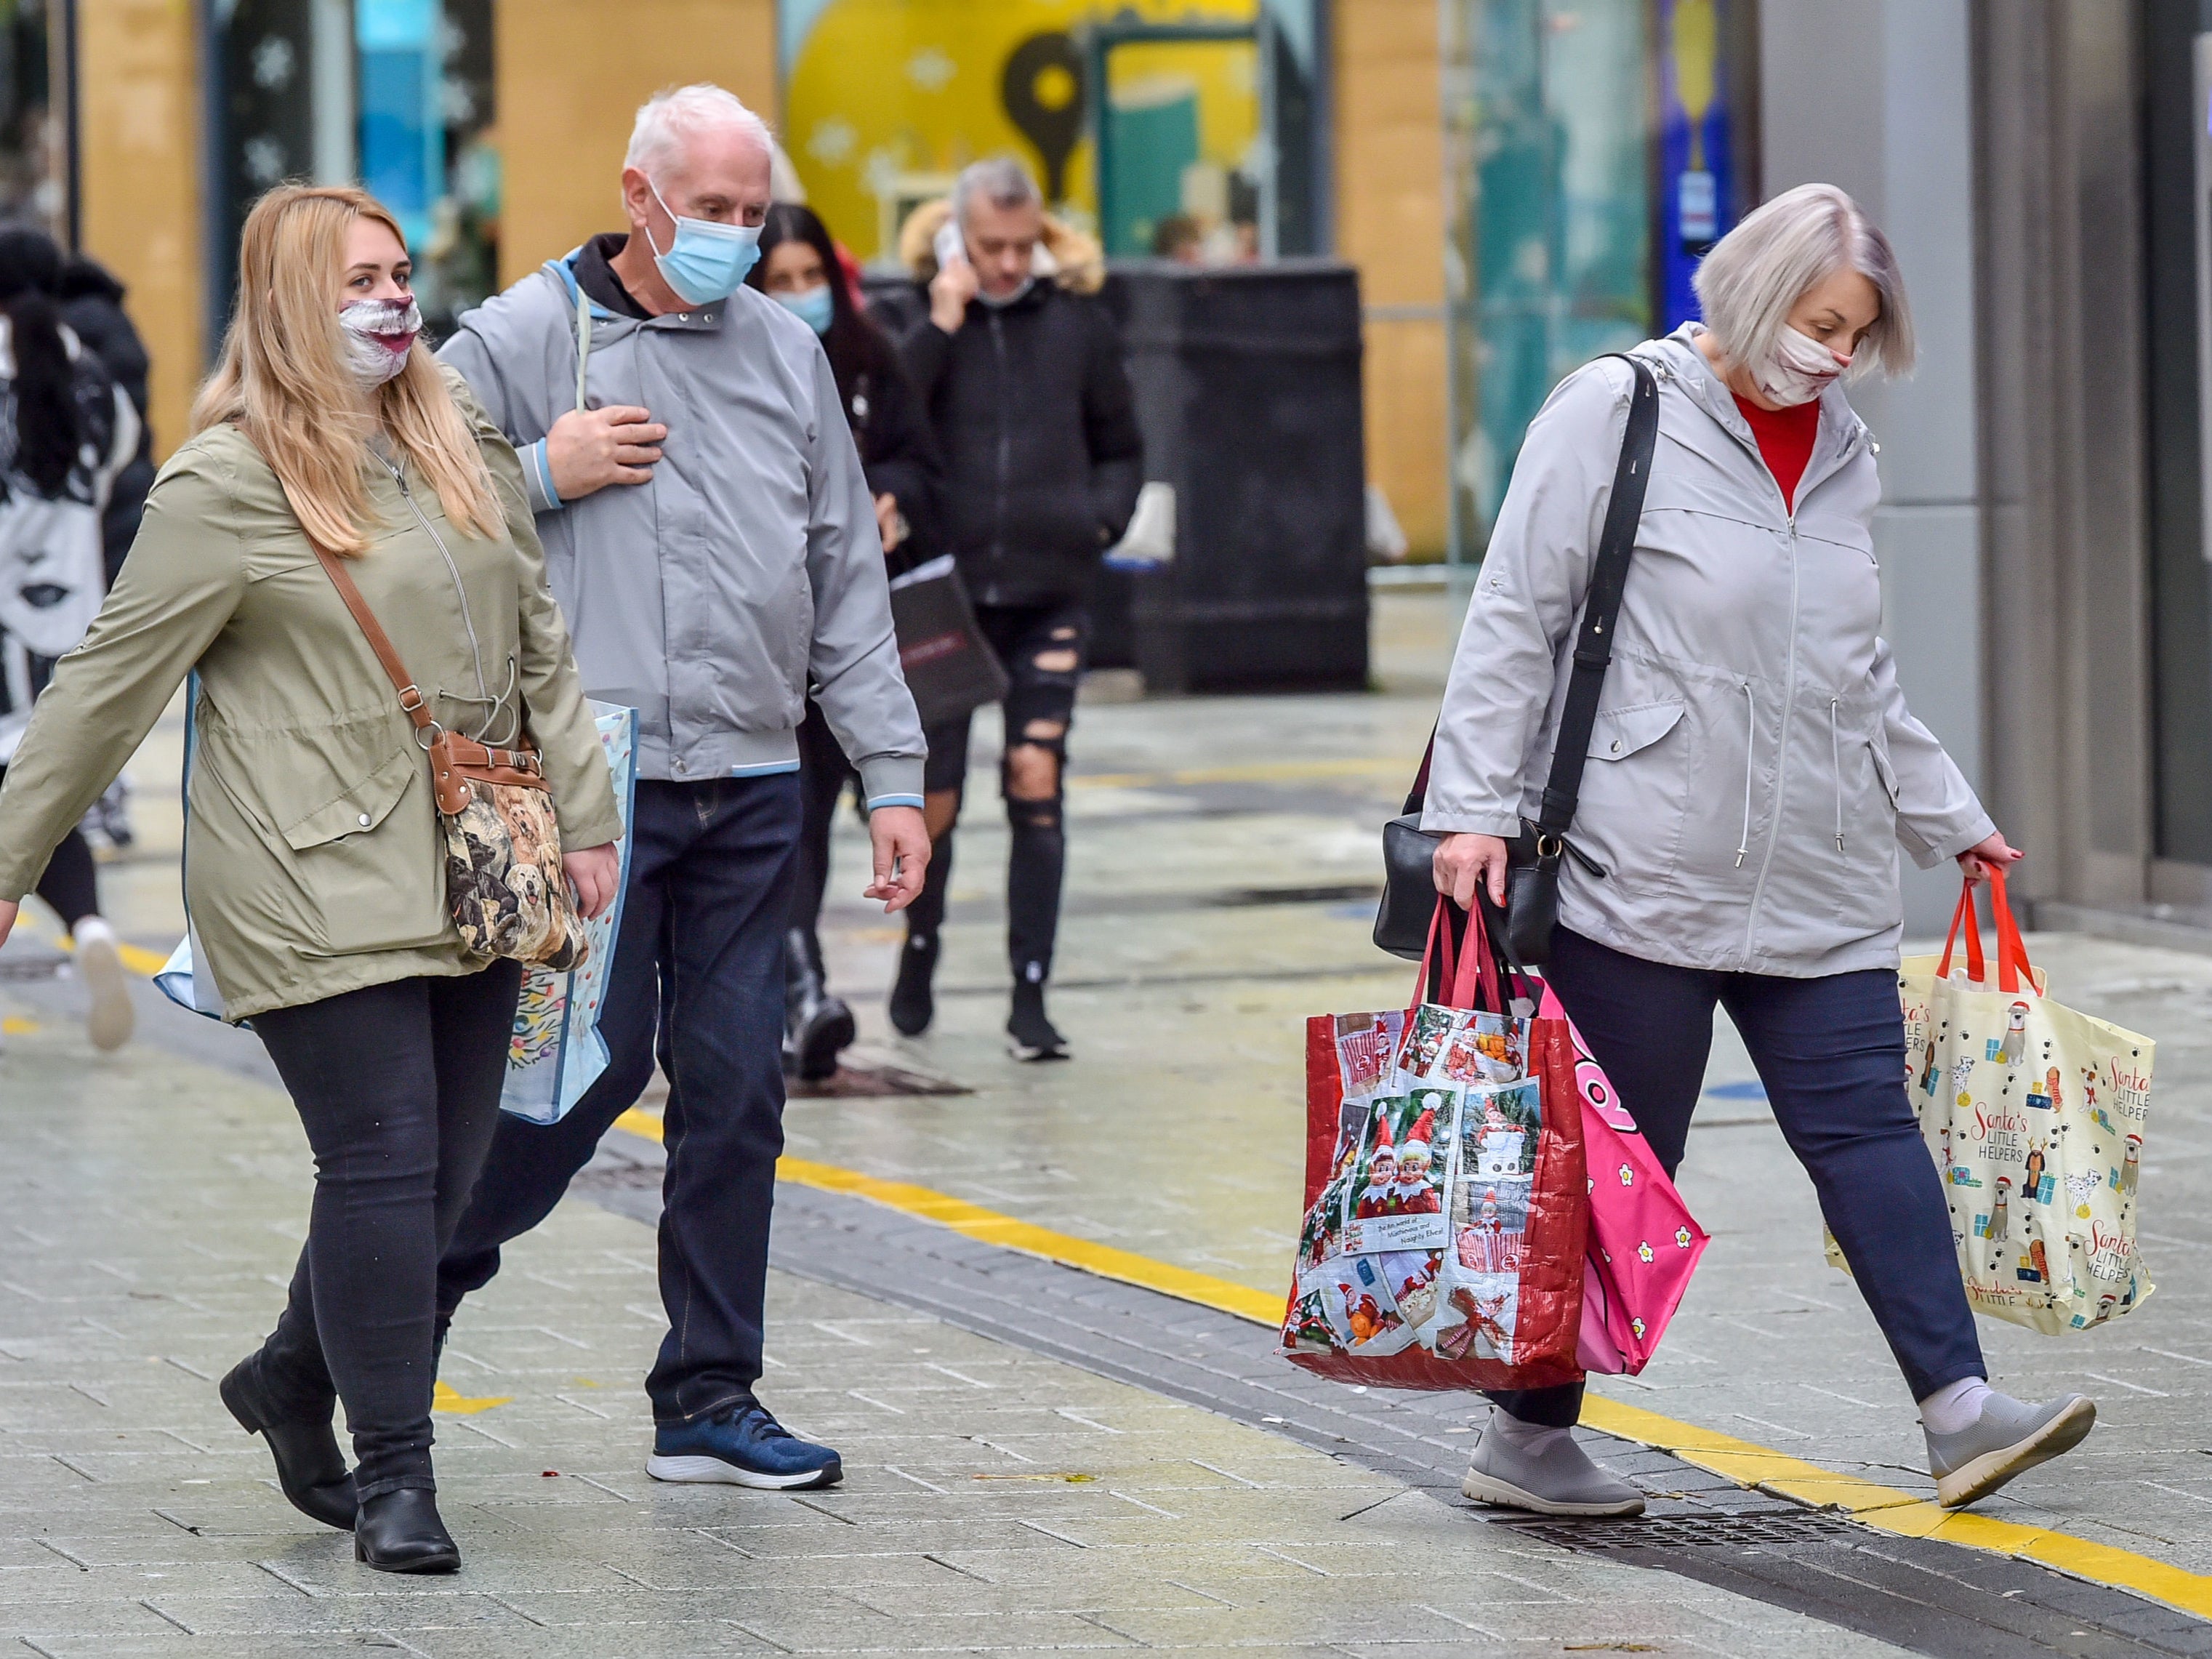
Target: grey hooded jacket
[[708, 598], [1753, 769]]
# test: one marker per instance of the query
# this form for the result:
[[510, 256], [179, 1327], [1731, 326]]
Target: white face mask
[[1800, 370], [378, 335]]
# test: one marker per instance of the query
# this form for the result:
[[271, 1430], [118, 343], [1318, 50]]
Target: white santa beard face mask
[[1800, 369], [378, 335]]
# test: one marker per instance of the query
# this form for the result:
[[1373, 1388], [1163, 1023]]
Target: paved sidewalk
[[995, 1500]]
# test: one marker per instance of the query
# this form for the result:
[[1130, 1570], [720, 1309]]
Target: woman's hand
[[8, 909], [1977, 859], [1463, 860], [887, 520], [593, 872]]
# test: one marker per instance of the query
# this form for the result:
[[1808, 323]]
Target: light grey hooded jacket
[[708, 598], [1753, 769]]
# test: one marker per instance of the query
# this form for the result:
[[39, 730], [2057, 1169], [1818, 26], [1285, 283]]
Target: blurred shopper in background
[[1753, 772], [1020, 366], [717, 550], [326, 425], [71, 433], [800, 270]]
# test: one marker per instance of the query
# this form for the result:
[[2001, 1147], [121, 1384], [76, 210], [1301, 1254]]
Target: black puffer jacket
[[1033, 410]]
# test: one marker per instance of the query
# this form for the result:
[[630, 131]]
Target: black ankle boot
[[1029, 1035], [816, 1026], [400, 1532], [912, 1006], [311, 1470]]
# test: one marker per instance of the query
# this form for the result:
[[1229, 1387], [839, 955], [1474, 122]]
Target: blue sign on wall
[[403, 131], [1696, 145]]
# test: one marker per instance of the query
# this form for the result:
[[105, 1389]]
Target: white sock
[[91, 927], [1532, 1438], [1955, 1406]]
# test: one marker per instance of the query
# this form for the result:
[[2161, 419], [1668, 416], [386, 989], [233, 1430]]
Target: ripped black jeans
[[1043, 647]]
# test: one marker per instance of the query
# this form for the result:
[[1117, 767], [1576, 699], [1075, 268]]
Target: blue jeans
[[698, 979], [1831, 1052]]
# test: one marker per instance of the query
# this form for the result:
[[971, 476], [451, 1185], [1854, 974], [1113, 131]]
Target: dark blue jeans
[[698, 978], [1831, 1052]]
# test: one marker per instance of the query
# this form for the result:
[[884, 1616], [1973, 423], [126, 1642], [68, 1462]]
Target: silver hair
[[1747, 284], [669, 118], [1000, 180]]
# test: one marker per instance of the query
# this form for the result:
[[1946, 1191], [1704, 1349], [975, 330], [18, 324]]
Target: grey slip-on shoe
[[2010, 1437], [1559, 1481]]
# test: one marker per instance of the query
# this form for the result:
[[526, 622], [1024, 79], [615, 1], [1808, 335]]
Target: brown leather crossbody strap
[[410, 694]]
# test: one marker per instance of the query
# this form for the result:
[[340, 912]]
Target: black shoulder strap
[[1594, 646]]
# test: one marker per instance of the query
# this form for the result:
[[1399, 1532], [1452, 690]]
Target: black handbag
[[1532, 878], [949, 665]]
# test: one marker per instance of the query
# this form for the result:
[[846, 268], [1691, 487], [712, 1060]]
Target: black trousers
[[1831, 1052], [698, 976], [824, 772], [398, 1085], [1043, 647]]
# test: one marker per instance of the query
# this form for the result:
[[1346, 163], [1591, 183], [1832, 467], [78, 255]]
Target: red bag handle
[[1964, 915], [1458, 974], [2013, 965]]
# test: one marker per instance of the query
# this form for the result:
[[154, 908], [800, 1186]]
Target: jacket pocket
[[371, 864], [1619, 732], [1629, 816]]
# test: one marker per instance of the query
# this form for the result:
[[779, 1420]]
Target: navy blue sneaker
[[745, 1448]]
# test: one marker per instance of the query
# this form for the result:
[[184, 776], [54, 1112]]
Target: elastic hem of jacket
[[538, 479], [877, 803]]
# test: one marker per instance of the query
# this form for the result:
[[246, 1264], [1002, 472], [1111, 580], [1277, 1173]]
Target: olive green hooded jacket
[[313, 860]]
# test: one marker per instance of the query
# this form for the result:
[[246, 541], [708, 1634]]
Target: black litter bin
[[1247, 390]]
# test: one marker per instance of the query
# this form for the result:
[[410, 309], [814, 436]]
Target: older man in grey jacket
[[710, 535]]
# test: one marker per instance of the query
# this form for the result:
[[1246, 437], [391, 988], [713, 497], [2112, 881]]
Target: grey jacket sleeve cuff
[[1930, 853], [1444, 822], [891, 781], [538, 479]]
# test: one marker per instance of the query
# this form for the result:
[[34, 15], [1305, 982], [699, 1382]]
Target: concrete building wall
[[138, 179], [1876, 96], [568, 88]]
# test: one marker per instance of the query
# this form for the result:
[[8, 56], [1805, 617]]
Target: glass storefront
[[396, 93], [1166, 128], [1593, 151]]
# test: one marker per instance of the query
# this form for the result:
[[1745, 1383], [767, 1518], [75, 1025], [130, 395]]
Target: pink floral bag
[[1643, 1242]]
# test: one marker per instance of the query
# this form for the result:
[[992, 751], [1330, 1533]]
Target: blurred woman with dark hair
[[799, 269], [66, 430]]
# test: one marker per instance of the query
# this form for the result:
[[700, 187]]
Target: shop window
[[34, 140], [1595, 149], [1185, 130]]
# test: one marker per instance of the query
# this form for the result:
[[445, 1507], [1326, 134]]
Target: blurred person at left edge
[[716, 550], [800, 270]]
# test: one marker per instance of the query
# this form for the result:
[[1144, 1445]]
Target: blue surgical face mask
[[707, 259], [812, 306]]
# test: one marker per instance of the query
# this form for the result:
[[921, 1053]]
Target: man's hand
[[950, 291], [1977, 859], [887, 520], [901, 844], [1462, 861], [588, 449], [593, 872]]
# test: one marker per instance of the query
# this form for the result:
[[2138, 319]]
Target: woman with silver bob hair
[[1752, 772]]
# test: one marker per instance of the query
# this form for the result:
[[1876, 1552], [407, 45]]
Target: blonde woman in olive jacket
[[313, 864]]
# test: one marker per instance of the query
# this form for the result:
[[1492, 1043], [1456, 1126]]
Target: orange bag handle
[[1964, 916], [2012, 964]]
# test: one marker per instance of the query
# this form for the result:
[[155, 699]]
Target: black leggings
[[824, 772], [69, 884], [398, 1085]]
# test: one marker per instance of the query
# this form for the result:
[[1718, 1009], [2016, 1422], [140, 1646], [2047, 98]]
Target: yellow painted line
[[444, 1398], [1890, 1510], [17, 1026], [992, 1228], [1748, 1464], [1257, 772]]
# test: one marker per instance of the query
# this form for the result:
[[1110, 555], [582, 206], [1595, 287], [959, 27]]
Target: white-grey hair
[[668, 118], [1000, 180], [1747, 284]]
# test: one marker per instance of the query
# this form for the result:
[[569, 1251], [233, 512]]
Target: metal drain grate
[[1669, 1532]]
